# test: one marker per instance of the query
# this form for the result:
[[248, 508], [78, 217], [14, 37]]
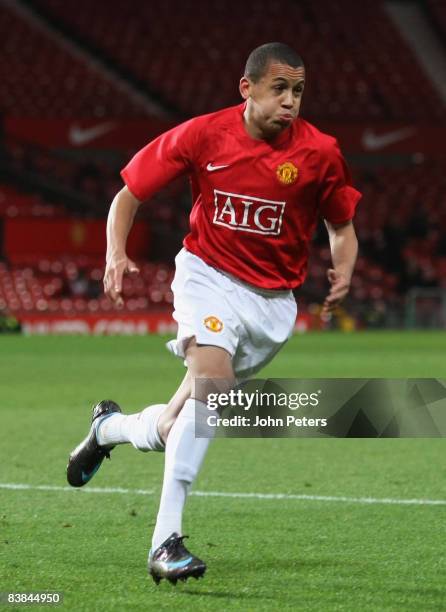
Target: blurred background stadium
[[84, 86]]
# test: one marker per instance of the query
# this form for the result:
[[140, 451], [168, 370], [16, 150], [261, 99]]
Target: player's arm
[[119, 222], [337, 201], [153, 167], [344, 250]]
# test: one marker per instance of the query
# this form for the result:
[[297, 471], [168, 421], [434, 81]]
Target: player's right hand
[[339, 288], [114, 272]]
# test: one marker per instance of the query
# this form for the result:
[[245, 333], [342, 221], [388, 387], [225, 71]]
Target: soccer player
[[261, 177]]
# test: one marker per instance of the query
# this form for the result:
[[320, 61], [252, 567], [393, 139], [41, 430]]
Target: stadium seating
[[365, 71], [94, 181], [40, 78], [17, 203], [74, 285]]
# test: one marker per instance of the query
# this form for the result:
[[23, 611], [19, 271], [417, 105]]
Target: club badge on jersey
[[287, 173]]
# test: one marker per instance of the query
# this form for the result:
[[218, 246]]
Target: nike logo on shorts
[[212, 168]]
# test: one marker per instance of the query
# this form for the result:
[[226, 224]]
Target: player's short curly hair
[[259, 58]]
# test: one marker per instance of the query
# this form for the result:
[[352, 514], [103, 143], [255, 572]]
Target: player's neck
[[255, 131]]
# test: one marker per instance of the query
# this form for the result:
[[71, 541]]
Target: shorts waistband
[[238, 281], [254, 289]]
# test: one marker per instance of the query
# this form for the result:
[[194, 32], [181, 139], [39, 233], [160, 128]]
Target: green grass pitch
[[262, 554]]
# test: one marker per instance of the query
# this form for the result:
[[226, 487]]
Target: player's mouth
[[286, 118]]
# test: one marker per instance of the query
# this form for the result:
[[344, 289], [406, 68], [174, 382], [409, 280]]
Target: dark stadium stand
[[15, 203], [40, 78], [437, 10], [353, 73]]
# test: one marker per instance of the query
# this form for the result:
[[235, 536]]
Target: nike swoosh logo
[[178, 564], [373, 142], [86, 477], [212, 168], [79, 136]]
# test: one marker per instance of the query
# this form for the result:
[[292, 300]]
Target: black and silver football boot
[[86, 458], [174, 562]]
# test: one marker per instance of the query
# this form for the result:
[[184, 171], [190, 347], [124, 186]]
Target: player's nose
[[287, 101]]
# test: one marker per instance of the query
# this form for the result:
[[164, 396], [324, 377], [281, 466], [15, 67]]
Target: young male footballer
[[261, 178]]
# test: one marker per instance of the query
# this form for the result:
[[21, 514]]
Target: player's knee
[[220, 375], [209, 362], [208, 381], [220, 371]]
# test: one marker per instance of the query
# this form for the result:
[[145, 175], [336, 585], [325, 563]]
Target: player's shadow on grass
[[294, 565], [225, 595], [420, 591], [297, 567]]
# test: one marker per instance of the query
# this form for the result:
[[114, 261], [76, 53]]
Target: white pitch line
[[327, 498], [285, 496], [28, 487]]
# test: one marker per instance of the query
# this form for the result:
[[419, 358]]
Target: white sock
[[140, 429], [184, 456]]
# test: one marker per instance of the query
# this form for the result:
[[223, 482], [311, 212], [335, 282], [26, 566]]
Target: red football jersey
[[255, 203]]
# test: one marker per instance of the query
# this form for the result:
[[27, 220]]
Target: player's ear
[[244, 88]]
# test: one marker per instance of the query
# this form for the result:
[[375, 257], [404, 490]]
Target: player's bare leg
[[184, 456]]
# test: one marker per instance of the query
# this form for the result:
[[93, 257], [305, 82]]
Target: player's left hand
[[113, 277], [340, 286]]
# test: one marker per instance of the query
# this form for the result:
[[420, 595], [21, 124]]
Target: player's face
[[274, 101]]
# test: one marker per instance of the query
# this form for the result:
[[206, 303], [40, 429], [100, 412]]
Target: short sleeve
[[162, 160], [337, 196]]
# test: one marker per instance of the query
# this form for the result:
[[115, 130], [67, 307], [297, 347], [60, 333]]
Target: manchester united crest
[[213, 324], [287, 173]]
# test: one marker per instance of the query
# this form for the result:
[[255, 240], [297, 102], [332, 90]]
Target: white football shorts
[[251, 324]]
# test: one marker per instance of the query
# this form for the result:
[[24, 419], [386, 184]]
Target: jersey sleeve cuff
[[133, 190], [342, 205]]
